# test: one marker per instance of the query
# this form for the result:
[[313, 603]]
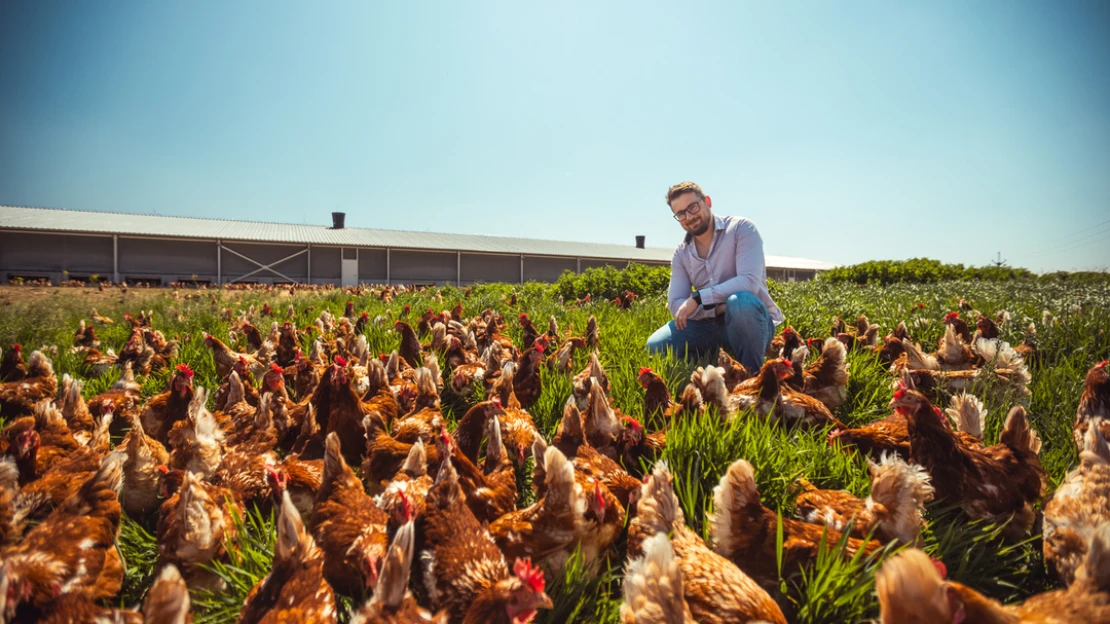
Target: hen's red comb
[[789, 329], [1101, 364], [523, 315], [900, 393], [277, 369], [787, 362], [632, 422], [164, 469], [951, 315], [17, 347], [529, 574], [406, 505], [185, 370], [365, 315], [538, 346], [645, 370], [341, 361], [942, 569]]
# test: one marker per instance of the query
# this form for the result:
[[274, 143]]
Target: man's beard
[[702, 229]]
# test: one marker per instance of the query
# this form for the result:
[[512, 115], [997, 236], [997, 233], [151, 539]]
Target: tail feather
[[903, 489], [735, 491], [916, 359], [333, 458], [714, 390], [658, 507], [416, 464], [835, 351], [394, 579], [1017, 434], [168, 599], [653, 589], [967, 414], [1095, 449], [1096, 569], [494, 449]]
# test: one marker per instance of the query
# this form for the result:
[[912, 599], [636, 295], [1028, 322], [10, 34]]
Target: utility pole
[[999, 262]]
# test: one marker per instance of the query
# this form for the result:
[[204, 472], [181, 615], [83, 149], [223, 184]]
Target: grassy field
[[1072, 333]]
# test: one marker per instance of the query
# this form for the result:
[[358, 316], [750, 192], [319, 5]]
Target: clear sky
[[847, 131]]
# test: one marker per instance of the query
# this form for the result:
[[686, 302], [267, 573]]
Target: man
[[718, 292]]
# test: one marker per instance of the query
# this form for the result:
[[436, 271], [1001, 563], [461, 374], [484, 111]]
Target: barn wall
[[48, 253], [484, 268], [143, 256], [326, 265], [371, 265], [295, 268], [422, 266], [547, 269]]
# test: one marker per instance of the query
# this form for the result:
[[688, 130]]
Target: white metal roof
[[57, 220]]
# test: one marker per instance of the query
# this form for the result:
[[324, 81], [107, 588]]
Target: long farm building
[[59, 244]]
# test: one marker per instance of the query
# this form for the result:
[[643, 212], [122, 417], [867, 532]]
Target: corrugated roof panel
[[12, 217]]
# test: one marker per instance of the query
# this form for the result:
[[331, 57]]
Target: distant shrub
[[608, 282], [917, 270], [927, 271], [1078, 277]]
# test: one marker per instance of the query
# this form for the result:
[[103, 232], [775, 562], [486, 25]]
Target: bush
[[928, 271], [608, 282]]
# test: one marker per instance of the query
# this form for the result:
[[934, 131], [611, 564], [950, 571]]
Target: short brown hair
[[683, 187]]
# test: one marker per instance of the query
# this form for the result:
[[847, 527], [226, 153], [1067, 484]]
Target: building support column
[[308, 268], [387, 282], [458, 268], [521, 268], [578, 265], [115, 258], [219, 262]]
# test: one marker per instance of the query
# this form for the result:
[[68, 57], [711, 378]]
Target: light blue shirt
[[734, 264]]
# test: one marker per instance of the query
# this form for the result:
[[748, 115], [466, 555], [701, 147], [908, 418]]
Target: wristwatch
[[696, 297]]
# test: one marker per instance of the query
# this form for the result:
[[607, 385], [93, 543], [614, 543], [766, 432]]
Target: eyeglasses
[[691, 210]]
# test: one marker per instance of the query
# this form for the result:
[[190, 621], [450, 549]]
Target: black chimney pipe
[[640, 242], [337, 219]]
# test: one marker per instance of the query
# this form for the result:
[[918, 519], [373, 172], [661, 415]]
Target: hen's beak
[[545, 601]]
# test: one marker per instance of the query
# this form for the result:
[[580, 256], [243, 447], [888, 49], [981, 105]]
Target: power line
[[1097, 232], [1056, 241], [1105, 236]]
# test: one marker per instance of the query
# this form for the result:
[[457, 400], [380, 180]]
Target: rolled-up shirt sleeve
[[750, 269], [680, 287]]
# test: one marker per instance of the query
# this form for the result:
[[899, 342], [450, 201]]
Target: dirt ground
[[38, 294]]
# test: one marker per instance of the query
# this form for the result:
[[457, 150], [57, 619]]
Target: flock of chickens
[[369, 486]]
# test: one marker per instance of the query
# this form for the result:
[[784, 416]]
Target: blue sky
[[847, 131]]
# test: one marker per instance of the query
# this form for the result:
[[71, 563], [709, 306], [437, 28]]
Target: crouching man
[[718, 292]]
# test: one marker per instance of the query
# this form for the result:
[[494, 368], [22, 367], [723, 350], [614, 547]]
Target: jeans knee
[[660, 340], [742, 303]]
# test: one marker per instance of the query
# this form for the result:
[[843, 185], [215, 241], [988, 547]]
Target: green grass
[[1076, 336]]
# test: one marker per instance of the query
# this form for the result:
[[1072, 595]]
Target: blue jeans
[[745, 329]]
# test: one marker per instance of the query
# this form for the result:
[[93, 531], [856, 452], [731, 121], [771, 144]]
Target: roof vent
[[337, 219], [640, 242]]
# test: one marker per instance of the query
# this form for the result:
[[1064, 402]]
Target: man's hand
[[687, 308]]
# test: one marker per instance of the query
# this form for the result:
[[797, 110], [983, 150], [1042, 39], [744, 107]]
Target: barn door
[[350, 267]]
